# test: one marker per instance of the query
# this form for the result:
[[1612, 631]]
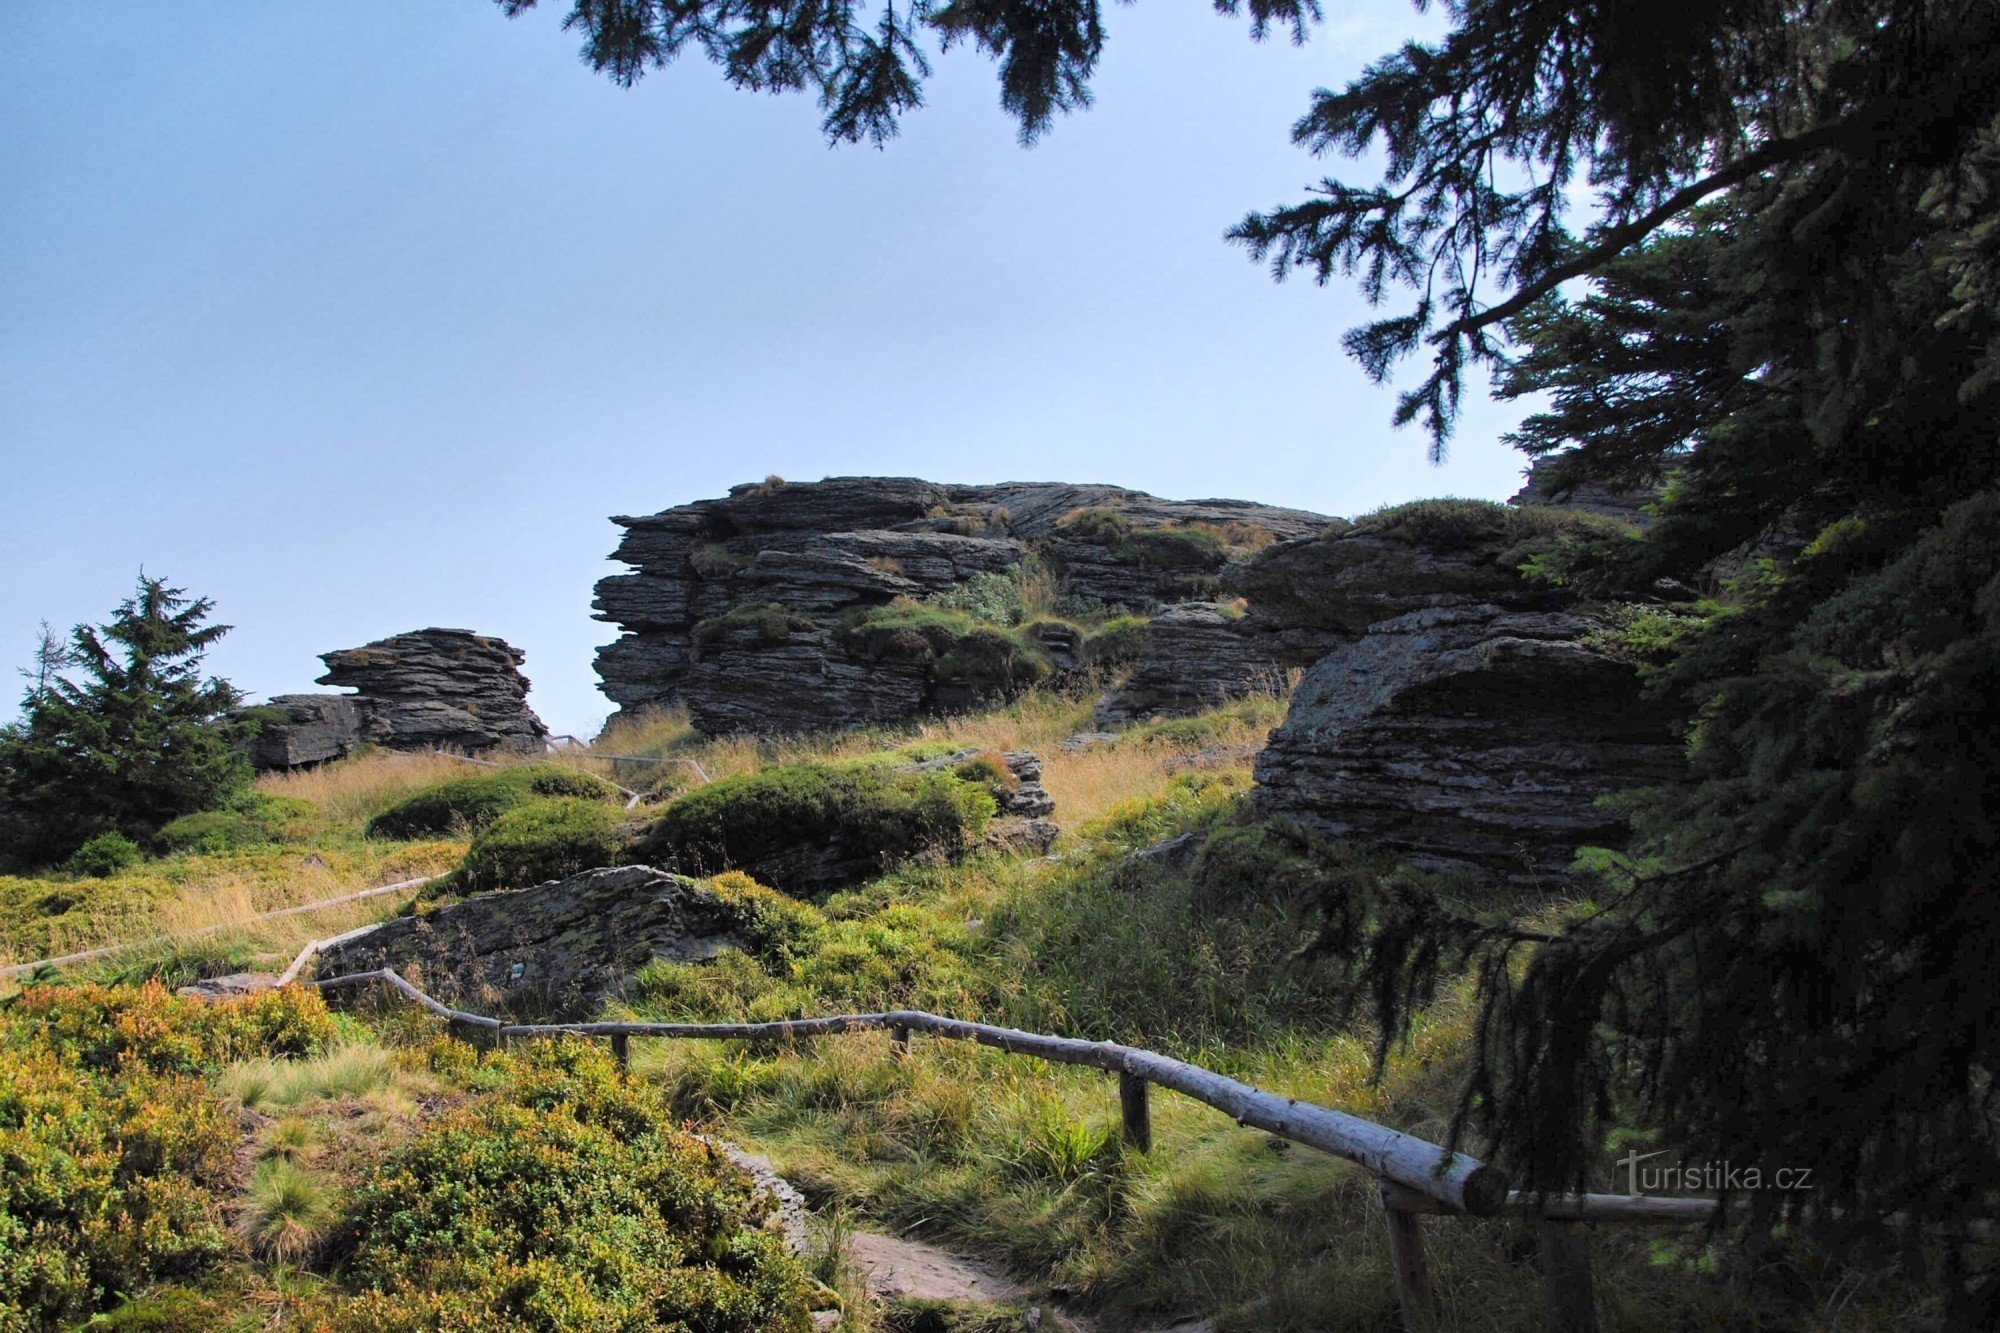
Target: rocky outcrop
[[1470, 739], [1463, 716], [734, 606], [1548, 484], [299, 730], [1195, 657], [429, 689], [556, 949]]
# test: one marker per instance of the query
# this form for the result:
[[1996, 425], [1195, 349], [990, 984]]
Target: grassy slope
[[1007, 1157]]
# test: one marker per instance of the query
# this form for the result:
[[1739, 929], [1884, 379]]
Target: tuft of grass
[[287, 1211], [353, 1070], [291, 1139]]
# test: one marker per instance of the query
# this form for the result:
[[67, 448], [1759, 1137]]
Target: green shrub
[[997, 597], [989, 769], [868, 812], [567, 1199], [472, 803], [748, 627], [778, 928], [991, 659], [540, 841], [952, 643], [113, 1149], [713, 560], [905, 630], [104, 856], [1116, 642], [1509, 536], [1183, 546], [253, 821], [211, 832]]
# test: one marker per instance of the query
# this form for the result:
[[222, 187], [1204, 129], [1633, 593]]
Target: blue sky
[[363, 315]]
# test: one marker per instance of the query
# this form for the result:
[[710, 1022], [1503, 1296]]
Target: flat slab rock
[[559, 948]]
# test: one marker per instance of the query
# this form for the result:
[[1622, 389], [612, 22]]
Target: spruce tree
[[119, 731]]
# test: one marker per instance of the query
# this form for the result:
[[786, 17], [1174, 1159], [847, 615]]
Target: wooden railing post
[[621, 1051], [1134, 1113], [1406, 1259], [1569, 1297], [899, 1043]]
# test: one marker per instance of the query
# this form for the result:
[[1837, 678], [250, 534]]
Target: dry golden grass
[[350, 790], [1084, 782], [216, 901]]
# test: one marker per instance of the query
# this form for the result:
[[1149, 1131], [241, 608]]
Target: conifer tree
[[119, 731]]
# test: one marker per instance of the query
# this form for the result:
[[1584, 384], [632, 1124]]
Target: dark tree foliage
[[1791, 255], [119, 732]]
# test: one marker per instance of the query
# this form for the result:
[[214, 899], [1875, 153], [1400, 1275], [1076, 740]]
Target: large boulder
[[299, 730], [1195, 657], [558, 948], [434, 688], [1472, 739], [1464, 715], [734, 606]]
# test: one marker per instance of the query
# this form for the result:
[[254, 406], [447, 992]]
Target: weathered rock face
[[303, 729], [1462, 717], [1196, 656], [1468, 738], [811, 552], [558, 949], [419, 691], [439, 687], [1546, 485]]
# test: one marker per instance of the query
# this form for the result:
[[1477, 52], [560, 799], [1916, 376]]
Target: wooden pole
[[899, 1042], [1133, 1111], [1570, 1303], [621, 1051], [1406, 1260]]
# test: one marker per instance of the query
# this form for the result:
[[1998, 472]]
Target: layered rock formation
[[1468, 738], [559, 948], [735, 606], [296, 730], [1547, 484], [1463, 717], [1195, 657], [429, 689]]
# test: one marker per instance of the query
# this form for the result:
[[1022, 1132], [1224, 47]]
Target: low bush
[[114, 1150], [747, 627], [1116, 642], [991, 659], [104, 856], [867, 811], [1171, 546], [566, 1200], [470, 804], [778, 928], [1509, 536], [540, 841], [953, 644], [254, 821]]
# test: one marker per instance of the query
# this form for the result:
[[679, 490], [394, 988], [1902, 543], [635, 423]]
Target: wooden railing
[[1416, 1177]]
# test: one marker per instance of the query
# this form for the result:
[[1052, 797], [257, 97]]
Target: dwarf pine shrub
[[538, 842]]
